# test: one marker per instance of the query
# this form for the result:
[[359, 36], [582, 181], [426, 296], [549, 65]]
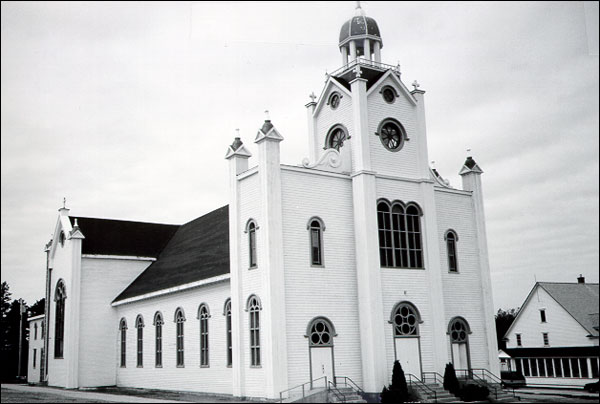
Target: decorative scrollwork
[[330, 157]]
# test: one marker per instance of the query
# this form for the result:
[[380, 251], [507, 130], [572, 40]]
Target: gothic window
[[451, 239], [59, 325], [139, 325], [399, 235], [123, 330], [405, 319], [336, 137], [158, 323], [316, 228], [391, 134], [254, 309], [459, 330], [320, 333], [334, 100], [227, 313], [203, 316], [179, 321], [251, 228]]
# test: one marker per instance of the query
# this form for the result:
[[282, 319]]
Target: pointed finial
[[312, 96], [75, 226], [432, 163], [468, 150], [64, 202], [237, 132], [267, 117], [416, 85]]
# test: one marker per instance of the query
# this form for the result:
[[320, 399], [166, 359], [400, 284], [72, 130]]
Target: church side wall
[[61, 269], [382, 160], [101, 281], [463, 291], [328, 291], [213, 379]]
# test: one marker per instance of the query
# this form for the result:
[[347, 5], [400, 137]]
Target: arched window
[[60, 296], [227, 313], [35, 328], [399, 235], [320, 333], [251, 228], [336, 137], [405, 319], [203, 316], [459, 330], [451, 239], [123, 329], [179, 320], [158, 323], [316, 228], [139, 325], [254, 308]]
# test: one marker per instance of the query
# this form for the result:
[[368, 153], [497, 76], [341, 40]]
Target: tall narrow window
[[35, 328], [399, 235], [228, 332], [179, 320], [254, 311], [316, 228], [59, 325], [139, 325], [203, 315], [34, 358], [251, 230], [123, 329], [546, 340], [158, 323], [451, 239], [543, 315], [518, 339]]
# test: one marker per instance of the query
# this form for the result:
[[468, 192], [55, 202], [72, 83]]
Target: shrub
[[473, 392], [398, 390], [450, 381], [399, 379]]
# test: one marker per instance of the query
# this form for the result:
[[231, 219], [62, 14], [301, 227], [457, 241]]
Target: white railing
[[364, 62]]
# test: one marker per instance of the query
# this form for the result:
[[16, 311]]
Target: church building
[[329, 269]]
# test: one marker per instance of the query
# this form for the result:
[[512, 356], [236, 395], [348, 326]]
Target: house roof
[[580, 300], [123, 238], [198, 250]]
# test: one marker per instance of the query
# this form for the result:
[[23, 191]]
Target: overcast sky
[[127, 109]]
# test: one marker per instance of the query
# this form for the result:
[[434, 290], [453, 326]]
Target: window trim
[[454, 240], [403, 136], [321, 228], [543, 317], [179, 318], [123, 341], [252, 237], [139, 325], [203, 317], [228, 332], [328, 323], [396, 95], [158, 325], [397, 307], [331, 131], [390, 220], [546, 339], [251, 308], [60, 296], [334, 93], [518, 339]]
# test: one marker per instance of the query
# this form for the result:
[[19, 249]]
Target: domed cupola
[[360, 37]]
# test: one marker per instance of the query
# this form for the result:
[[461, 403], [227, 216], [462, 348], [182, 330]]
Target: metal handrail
[[302, 386], [480, 381], [363, 62], [414, 380], [352, 384], [495, 379], [341, 396], [438, 378]]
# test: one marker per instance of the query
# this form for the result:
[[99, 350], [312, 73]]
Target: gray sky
[[127, 110]]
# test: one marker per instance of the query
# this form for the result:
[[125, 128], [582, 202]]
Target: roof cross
[[358, 71], [64, 203], [312, 96], [416, 85]]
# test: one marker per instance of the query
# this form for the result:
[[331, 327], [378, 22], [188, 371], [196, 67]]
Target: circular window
[[334, 100], [458, 331], [336, 137], [389, 95], [405, 321], [391, 133], [320, 334]]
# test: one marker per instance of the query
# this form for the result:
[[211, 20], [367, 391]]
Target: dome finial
[[358, 9]]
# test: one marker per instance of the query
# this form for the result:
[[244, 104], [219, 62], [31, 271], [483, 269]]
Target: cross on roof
[[312, 96], [64, 203], [416, 85], [358, 71], [267, 115]]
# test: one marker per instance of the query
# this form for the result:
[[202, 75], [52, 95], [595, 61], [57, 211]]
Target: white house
[[334, 267], [35, 370], [554, 338]]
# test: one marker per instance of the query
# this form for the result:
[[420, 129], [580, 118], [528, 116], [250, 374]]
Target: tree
[[39, 307], [398, 390], [5, 298], [450, 381], [504, 319]]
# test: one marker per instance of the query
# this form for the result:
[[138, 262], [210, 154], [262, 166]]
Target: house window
[[558, 367], [519, 340], [34, 358], [316, 228], [203, 315], [35, 328], [139, 325], [584, 368], [546, 341], [251, 230], [59, 326], [451, 239], [228, 332], [543, 315], [566, 367], [399, 235], [123, 329], [254, 311], [158, 323], [179, 320]]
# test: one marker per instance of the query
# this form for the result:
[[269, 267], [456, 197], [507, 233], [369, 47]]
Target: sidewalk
[[84, 395], [556, 392]]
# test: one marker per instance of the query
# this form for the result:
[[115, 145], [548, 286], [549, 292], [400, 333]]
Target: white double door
[[460, 356], [408, 353], [321, 364]]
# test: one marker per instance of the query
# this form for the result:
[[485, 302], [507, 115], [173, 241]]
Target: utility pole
[[20, 337]]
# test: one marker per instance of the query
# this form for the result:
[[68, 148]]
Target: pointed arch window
[[227, 313], [123, 332], [254, 308], [139, 325], [60, 295], [316, 228], [251, 228], [179, 321], [158, 323], [451, 238], [203, 316], [399, 228]]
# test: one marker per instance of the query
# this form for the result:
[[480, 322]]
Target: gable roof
[[123, 238], [580, 300], [198, 250]]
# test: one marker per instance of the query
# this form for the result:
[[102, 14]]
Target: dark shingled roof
[[199, 250], [120, 237], [580, 300]]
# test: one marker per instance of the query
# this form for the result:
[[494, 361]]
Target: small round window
[[334, 100], [392, 135], [389, 95]]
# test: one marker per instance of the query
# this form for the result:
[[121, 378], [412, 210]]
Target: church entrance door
[[408, 354], [320, 334], [321, 363], [460, 358], [459, 331]]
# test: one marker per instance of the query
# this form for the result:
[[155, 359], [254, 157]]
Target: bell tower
[[359, 37]]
